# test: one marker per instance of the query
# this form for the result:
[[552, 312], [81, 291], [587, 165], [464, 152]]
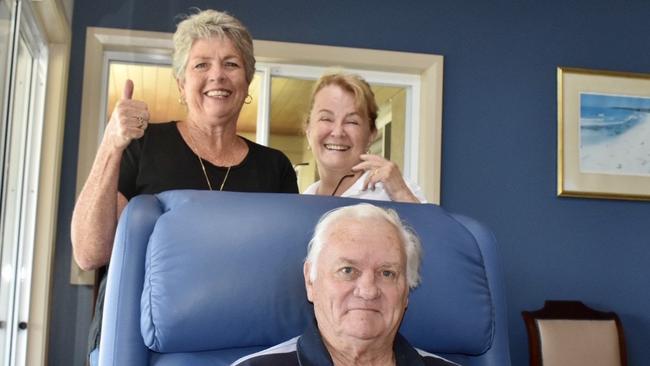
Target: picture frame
[[603, 134]]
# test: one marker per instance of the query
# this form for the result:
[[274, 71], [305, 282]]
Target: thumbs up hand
[[128, 120]]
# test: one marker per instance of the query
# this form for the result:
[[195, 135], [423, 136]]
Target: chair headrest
[[224, 270]]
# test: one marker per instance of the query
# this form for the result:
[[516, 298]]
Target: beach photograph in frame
[[603, 134], [614, 134]]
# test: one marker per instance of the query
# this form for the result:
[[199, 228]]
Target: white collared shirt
[[378, 194]]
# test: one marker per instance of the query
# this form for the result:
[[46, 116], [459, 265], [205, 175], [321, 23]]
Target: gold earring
[[248, 99], [181, 100]]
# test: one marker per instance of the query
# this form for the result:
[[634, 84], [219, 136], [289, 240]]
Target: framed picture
[[603, 134]]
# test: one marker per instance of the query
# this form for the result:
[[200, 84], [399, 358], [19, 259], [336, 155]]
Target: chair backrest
[[570, 333], [202, 277]]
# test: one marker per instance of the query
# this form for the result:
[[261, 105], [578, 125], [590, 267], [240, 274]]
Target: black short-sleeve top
[[161, 161]]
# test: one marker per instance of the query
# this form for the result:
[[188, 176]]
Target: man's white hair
[[409, 240]]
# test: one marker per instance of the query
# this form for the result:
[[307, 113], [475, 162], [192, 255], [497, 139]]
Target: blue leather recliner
[[203, 278]]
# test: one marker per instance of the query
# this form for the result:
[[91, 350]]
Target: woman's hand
[[128, 120], [386, 172]]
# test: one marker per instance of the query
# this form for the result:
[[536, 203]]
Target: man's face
[[360, 291]]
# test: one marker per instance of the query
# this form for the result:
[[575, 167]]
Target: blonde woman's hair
[[209, 23], [364, 98]]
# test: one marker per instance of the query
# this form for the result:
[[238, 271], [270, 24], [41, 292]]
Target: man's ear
[[309, 286]]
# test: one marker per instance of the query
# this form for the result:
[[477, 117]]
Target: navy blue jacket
[[309, 350]]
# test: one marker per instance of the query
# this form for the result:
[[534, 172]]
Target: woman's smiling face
[[214, 84], [337, 132]]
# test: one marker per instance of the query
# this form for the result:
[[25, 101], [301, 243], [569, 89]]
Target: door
[[23, 75]]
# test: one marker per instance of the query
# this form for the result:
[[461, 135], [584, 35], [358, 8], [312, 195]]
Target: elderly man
[[360, 266]]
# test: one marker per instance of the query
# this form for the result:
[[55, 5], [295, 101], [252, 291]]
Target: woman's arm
[[99, 204], [96, 211]]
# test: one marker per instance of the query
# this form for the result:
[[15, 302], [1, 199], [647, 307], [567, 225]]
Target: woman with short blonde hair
[[213, 65], [340, 128]]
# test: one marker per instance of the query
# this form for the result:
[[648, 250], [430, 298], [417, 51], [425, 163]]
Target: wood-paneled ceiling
[[155, 85]]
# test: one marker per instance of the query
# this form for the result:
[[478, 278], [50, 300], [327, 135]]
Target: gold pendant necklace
[[205, 174]]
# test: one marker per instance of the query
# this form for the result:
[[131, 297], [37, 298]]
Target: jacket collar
[[312, 351]]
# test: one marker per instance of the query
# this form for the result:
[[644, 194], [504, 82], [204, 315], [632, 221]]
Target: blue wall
[[499, 136]]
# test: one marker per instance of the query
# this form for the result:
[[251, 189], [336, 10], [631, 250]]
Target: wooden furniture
[[570, 333]]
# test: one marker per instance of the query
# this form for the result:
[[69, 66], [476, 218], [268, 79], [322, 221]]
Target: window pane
[[152, 84], [247, 122], [390, 123], [289, 108]]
